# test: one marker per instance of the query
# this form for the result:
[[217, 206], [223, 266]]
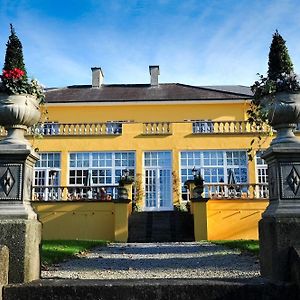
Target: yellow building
[[159, 132]]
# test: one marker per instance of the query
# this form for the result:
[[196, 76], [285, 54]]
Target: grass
[[246, 246], [54, 251]]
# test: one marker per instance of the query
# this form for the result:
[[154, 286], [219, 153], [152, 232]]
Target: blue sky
[[198, 42]]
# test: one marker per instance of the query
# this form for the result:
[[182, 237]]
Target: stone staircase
[[155, 289], [168, 226]]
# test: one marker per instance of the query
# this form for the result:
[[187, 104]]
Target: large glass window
[[47, 176], [105, 168], [214, 166], [262, 175]]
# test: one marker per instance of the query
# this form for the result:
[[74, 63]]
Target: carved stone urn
[[17, 113], [283, 116]]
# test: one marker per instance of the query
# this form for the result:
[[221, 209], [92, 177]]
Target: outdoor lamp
[[194, 171]]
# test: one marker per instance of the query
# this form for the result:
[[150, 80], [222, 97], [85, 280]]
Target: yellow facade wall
[[133, 139], [76, 220], [147, 112], [234, 219]]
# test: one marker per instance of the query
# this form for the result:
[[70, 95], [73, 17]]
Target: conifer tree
[[279, 59], [14, 53]]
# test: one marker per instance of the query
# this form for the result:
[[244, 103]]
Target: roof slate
[[142, 92]]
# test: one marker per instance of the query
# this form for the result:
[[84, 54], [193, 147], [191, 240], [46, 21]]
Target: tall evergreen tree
[[279, 59], [14, 53]]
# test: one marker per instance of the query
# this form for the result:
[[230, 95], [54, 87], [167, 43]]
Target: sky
[[196, 42]]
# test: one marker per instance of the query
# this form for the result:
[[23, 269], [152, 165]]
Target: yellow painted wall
[[199, 211], [76, 220], [143, 113], [226, 220], [234, 219], [132, 137], [121, 222]]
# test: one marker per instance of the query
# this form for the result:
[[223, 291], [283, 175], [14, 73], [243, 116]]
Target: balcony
[[109, 192], [75, 129], [157, 128], [245, 191], [227, 127], [73, 193], [146, 129]]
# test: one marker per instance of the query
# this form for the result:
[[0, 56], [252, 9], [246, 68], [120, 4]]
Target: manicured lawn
[[248, 246], [56, 251]]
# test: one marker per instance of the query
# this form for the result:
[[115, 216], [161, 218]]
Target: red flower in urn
[[14, 74]]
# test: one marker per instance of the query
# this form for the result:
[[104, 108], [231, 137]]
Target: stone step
[[151, 289], [167, 226]]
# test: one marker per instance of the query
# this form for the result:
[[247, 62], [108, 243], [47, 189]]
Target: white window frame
[[157, 169], [112, 168], [51, 192], [261, 175], [201, 167]]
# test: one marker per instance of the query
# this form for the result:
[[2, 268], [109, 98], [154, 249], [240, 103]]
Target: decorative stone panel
[[11, 182], [290, 180]]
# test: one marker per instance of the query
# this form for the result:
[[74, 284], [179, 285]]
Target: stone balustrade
[[149, 128], [236, 191], [157, 128], [213, 191], [68, 129], [58, 193], [231, 127]]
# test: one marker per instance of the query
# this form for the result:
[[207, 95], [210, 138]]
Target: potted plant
[[20, 97], [276, 98], [198, 189], [125, 179]]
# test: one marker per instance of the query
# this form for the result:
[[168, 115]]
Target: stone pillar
[[121, 212], [199, 208], [279, 228], [128, 187], [20, 230]]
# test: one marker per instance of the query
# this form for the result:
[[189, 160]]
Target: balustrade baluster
[[222, 127], [215, 127], [152, 127], [157, 128], [101, 125], [96, 128]]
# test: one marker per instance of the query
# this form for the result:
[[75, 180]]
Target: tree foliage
[[14, 53], [279, 60]]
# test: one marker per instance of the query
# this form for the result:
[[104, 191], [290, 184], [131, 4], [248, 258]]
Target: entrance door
[[158, 181]]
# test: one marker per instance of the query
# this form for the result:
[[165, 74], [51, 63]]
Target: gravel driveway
[[158, 260]]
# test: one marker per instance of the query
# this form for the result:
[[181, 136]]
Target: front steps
[[160, 289], [166, 226]]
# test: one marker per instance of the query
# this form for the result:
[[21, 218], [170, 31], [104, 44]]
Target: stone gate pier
[[279, 228], [20, 230]]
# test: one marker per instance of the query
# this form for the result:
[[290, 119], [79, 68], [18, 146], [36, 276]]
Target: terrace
[[148, 128]]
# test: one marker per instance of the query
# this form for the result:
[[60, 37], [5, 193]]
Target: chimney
[[97, 77], [154, 72]]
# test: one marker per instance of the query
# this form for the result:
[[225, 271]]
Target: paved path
[[158, 260]]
